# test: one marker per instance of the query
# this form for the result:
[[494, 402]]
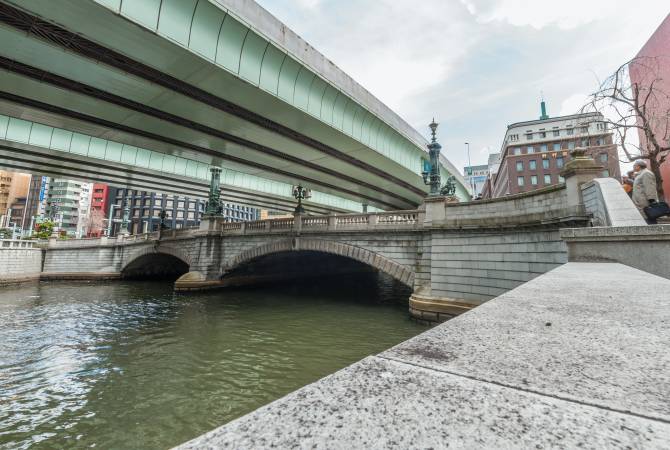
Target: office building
[[181, 212], [534, 152], [475, 178]]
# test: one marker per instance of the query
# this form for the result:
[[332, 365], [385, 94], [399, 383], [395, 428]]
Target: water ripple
[[131, 365]]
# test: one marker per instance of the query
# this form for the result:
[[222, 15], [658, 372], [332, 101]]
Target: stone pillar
[[435, 211], [579, 170]]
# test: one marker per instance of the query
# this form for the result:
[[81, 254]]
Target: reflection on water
[[132, 365]]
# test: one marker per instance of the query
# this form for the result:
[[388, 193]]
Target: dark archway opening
[[155, 266], [313, 274]]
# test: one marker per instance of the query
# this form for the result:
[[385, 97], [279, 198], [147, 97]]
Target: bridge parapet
[[410, 219]]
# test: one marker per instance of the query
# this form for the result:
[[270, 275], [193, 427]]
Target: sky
[[475, 65]]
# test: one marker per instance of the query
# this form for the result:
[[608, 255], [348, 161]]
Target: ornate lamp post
[[300, 193], [432, 177], [162, 216], [126, 217], [214, 200]]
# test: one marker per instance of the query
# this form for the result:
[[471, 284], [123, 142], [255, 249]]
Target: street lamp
[[300, 193], [432, 177], [472, 183]]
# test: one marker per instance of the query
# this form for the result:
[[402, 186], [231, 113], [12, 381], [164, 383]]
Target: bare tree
[[636, 109], [96, 221]]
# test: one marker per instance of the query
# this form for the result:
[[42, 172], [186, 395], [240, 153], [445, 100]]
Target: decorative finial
[[433, 128]]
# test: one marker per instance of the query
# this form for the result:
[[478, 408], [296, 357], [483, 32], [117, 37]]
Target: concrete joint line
[[530, 391]]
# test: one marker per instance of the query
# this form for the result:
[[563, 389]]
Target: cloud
[[476, 65], [573, 104], [568, 14]]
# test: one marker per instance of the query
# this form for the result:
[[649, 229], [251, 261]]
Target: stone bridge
[[453, 256]]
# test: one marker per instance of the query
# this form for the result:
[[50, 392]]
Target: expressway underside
[[82, 69]]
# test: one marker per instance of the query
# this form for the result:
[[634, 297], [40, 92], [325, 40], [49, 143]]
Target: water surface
[[132, 365]]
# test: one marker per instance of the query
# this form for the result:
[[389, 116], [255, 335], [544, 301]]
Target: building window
[[519, 166], [584, 129], [191, 215], [180, 204], [585, 142], [603, 157], [557, 133], [601, 126], [559, 162], [517, 150], [571, 145], [547, 179], [530, 149], [532, 165], [533, 180], [569, 131], [180, 214], [542, 134], [600, 141], [513, 137], [520, 181], [561, 179], [169, 204], [529, 136], [606, 173], [543, 147], [557, 146], [545, 163]]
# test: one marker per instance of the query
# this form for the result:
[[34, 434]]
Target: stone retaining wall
[[19, 262]]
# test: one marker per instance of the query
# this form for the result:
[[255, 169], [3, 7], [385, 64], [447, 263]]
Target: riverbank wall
[[20, 262]]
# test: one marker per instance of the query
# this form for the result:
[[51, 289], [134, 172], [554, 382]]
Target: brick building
[[533, 153], [657, 47]]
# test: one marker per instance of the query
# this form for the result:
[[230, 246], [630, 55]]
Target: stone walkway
[[579, 356]]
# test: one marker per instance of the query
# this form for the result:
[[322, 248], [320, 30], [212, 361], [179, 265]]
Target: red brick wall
[[658, 46]]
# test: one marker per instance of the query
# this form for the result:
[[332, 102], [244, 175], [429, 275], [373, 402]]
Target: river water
[[127, 365]]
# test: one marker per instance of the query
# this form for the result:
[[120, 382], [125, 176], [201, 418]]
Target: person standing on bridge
[[644, 188]]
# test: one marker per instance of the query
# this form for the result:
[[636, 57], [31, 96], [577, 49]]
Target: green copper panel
[[252, 57], [169, 163], [191, 168], [359, 118], [97, 148], [303, 84], [156, 161], [4, 122], [202, 171], [376, 129], [79, 144], [328, 103], [40, 135], [366, 128], [180, 166], [230, 44], [128, 154], [175, 19], [338, 110], [142, 11], [315, 96], [287, 77], [114, 5], [142, 157], [18, 130], [60, 140], [272, 62], [205, 29], [348, 118], [113, 151]]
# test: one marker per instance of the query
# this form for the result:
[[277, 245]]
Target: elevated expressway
[[150, 94]]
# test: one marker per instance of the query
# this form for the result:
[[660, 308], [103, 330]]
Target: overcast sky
[[476, 65]]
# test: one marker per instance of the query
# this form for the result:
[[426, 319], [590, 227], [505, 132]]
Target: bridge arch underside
[[154, 266], [292, 260]]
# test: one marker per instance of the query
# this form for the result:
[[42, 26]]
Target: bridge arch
[[379, 262], [156, 261]]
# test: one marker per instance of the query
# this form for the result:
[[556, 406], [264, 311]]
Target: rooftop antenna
[[543, 107]]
